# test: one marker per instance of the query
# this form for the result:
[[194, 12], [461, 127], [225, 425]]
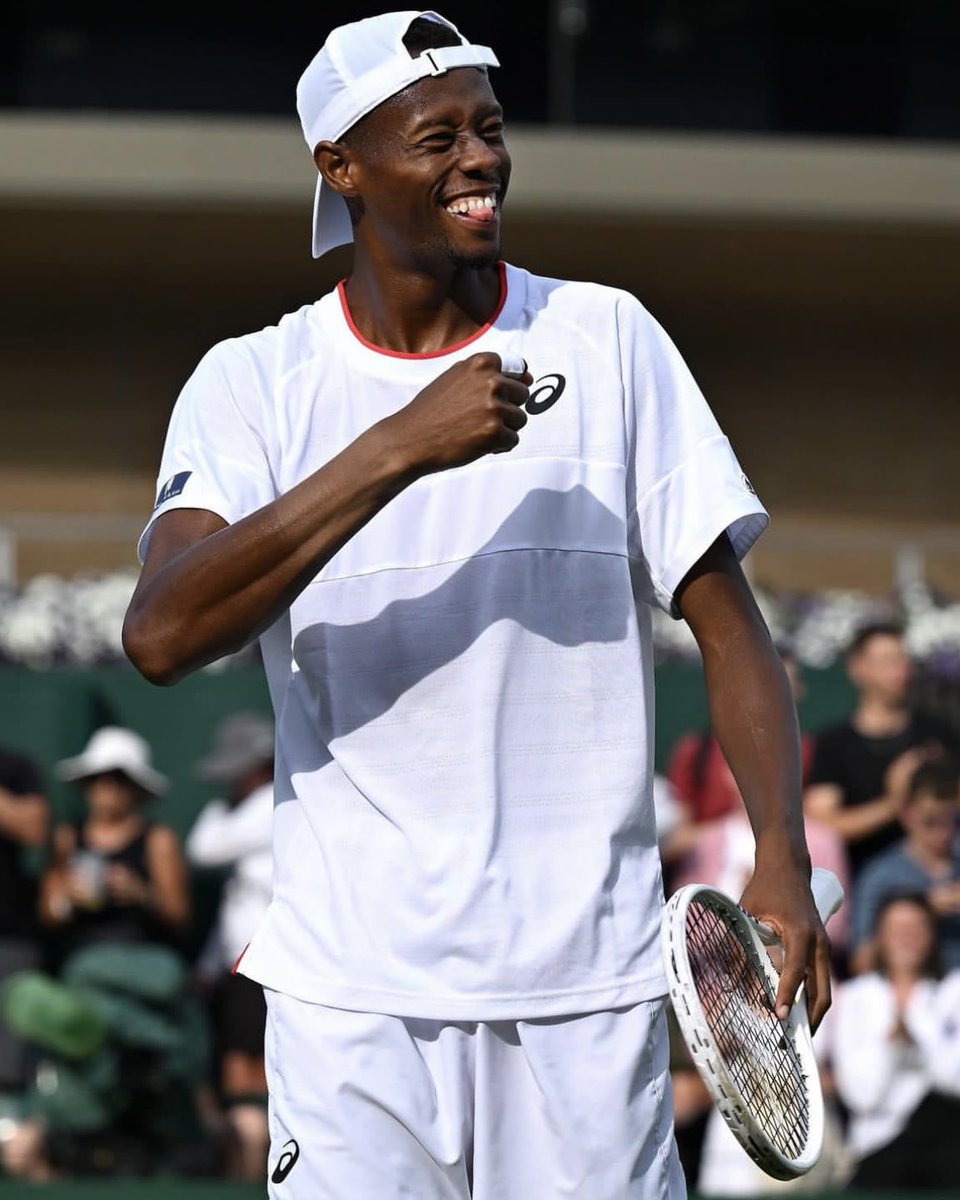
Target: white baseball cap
[[358, 67], [115, 749]]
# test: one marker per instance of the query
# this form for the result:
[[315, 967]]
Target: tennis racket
[[760, 1071]]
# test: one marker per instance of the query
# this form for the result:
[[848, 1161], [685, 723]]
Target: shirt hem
[[439, 1007]]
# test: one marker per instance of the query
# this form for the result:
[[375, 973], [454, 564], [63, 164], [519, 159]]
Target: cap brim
[[331, 220]]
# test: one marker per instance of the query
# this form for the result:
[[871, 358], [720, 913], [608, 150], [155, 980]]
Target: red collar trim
[[501, 267]]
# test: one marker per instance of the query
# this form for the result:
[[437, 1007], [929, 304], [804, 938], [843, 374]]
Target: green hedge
[[50, 714]]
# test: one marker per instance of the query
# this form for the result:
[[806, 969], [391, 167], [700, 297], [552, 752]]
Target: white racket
[[760, 1071]]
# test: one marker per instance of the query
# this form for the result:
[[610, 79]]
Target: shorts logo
[[173, 487], [545, 393], [291, 1152]]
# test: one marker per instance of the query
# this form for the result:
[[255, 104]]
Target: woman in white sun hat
[[116, 875]]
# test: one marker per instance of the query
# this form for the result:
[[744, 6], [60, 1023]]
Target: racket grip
[[827, 892]]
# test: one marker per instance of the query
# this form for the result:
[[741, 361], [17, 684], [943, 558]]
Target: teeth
[[472, 203]]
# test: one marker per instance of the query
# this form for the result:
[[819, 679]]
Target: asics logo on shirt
[[291, 1152], [544, 394]]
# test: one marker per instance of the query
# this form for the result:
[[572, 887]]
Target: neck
[[879, 718], [416, 310]]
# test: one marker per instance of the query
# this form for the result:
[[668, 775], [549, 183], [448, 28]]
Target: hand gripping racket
[[760, 1071]]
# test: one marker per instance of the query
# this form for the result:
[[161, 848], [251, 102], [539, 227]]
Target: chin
[[474, 260]]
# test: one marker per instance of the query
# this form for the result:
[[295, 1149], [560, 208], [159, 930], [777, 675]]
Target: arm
[[207, 588], [754, 718], [222, 835], [26, 818], [56, 896], [824, 801], [169, 889]]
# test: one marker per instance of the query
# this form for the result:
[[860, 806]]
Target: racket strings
[[737, 1002]]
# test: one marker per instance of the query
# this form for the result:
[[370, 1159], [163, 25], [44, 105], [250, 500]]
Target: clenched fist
[[472, 409]]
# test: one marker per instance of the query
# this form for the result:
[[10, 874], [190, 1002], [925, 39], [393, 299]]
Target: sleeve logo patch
[[746, 483], [173, 487]]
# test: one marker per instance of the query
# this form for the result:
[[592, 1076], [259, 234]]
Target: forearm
[[754, 718], [223, 590], [861, 820]]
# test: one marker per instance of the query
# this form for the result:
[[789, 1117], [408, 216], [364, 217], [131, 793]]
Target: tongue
[[482, 214]]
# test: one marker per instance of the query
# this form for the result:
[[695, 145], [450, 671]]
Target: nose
[[477, 156]]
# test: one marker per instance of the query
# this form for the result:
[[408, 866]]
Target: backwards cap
[[358, 67]]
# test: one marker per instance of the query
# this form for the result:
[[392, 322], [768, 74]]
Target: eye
[[442, 139], [493, 132]]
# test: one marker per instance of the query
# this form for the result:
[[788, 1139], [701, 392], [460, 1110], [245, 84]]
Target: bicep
[[174, 532], [168, 869], [715, 599]]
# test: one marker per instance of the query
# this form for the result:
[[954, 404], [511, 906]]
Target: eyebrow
[[451, 122]]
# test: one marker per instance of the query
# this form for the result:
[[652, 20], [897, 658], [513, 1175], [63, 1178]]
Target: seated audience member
[[236, 832], [116, 875], [927, 861], [699, 772], [24, 823], [724, 852], [896, 1056], [862, 766]]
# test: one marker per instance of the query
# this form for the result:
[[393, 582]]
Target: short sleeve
[[685, 486], [216, 452]]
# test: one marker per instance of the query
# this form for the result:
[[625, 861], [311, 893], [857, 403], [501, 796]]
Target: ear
[[335, 163]]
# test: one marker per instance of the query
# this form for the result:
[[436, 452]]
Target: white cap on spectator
[[115, 749], [359, 66]]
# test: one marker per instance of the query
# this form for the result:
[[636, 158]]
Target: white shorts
[[371, 1107]]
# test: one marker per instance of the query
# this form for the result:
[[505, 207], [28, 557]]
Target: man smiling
[[463, 979]]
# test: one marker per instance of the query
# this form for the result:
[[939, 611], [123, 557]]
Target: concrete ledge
[[183, 161]]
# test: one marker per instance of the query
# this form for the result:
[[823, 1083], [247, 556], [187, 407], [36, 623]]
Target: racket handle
[[827, 892]]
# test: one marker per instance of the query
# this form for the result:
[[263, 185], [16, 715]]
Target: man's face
[[881, 667], [931, 823], [431, 170]]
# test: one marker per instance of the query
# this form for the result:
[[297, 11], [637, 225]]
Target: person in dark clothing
[[115, 876], [24, 823], [862, 767]]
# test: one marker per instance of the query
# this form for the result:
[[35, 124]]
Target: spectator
[[236, 832], [927, 861], [861, 767], [699, 772], [116, 876], [24, 822], [896, 1056]]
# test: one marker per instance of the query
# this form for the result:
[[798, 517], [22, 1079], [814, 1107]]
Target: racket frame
[[703, 1048]]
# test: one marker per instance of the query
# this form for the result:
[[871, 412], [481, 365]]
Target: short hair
[[427, 34], [867, 632], [939, 778]]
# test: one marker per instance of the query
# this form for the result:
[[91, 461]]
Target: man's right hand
[[472, 409]]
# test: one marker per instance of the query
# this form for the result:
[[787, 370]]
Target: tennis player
[[445, 497]]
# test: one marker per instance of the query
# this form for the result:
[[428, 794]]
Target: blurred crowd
[[124, 1052], [882, 811]]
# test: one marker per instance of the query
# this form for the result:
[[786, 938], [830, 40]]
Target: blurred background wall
[[779, 184]]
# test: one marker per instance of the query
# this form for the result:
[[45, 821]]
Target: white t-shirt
[[464, 694]]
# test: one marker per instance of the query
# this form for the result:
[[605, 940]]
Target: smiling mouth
[[479, 209]]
